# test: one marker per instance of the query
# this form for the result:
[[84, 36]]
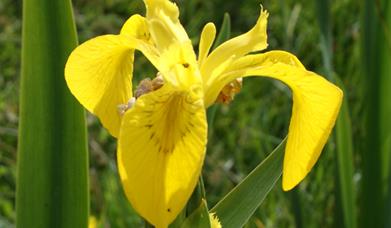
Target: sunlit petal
[[99, 71], [178, 65], [136, 26], [316, 103], [253, 40], [99, 74], [164, 24], [206, 40], [161, 150]]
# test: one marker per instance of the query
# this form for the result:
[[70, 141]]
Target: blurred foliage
[[10, 29], [244, 132]]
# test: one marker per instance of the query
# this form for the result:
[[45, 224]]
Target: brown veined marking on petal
[[172, 123], [159, 184], [147, 36]]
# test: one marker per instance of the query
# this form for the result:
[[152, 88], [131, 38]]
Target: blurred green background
[[244, 132]]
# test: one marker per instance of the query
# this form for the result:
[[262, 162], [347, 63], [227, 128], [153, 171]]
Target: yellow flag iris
[[162, 134]]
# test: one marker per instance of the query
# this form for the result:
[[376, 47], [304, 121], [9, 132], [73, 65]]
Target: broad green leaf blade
[[323, 12], [237, 206], [384, 96], [344, 143], [376, 46], [199, 218], [386, 112], [343, 132], [52, 183]]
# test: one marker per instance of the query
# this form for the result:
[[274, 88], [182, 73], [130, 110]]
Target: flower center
[[170, 116], [145, 86], [227, 94]]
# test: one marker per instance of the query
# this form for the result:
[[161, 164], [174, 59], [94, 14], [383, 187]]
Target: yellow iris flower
[[162, 135]]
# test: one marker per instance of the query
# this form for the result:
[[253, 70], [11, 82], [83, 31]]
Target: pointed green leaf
[[225, 31], [52, 183], [376, 54], [236, 207], [343, 133]]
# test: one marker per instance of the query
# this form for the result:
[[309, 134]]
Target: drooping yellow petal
[[241, 66], [99, 71], [164, 24], [99, 75], [161, 149], [316, 104], [206, 40], [253, 40]]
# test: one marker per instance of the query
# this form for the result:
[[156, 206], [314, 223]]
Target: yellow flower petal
[[316, 104], [99, 75], [164, 24], [161, 149], [253, 40], [99, 71], [214, 221], [92, 222], [136, 26], [207, 37], [178, 65]]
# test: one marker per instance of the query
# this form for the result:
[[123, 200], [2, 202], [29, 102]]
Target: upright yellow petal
[[316, 104], [178, 65], [99, 71], [253, 40], [136, 26], [161, 149], [164, 24], [206, 40]]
